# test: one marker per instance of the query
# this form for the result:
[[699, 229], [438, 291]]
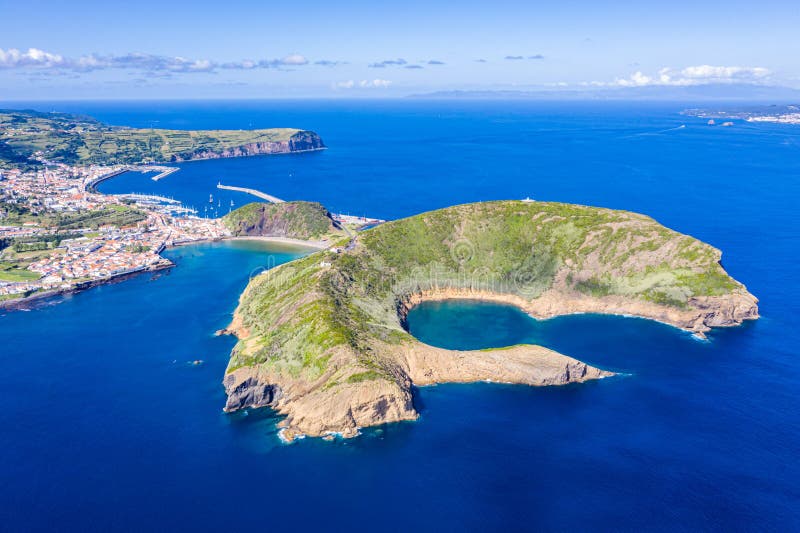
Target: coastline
[[15, 303], [288, 152], [92, 185]]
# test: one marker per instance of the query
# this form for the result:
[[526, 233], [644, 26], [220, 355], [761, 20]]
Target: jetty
[[164, 172], [254, 192]]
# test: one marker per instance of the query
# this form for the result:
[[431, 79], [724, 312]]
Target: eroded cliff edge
[[321, 339]]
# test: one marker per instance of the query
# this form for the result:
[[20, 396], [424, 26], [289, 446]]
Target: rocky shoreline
[[312, 409], [247, 150], [42, 296], [704, 314], [165, 264]]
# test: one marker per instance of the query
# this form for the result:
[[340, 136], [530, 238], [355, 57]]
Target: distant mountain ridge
[[717, 91]]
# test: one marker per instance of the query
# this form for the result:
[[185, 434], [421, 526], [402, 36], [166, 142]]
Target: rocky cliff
[[302, 141], [322, 341]]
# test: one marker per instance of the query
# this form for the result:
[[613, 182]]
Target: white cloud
[[399, 62], [376, 83], [694, 75], [39, 59], [13, 58], [363, 84], [294, 59]]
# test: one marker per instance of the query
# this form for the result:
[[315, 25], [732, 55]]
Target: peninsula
[[31, 138], [322, 339]]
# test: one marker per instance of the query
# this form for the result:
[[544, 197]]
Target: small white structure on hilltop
[[528, 199]]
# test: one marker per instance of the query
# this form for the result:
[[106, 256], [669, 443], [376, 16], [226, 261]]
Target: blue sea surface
[[105, 423]]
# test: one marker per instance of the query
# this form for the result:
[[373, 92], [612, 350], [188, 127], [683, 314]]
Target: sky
[[264, 49]]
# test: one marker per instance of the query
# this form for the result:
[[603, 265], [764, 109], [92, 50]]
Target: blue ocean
[[106, 424]]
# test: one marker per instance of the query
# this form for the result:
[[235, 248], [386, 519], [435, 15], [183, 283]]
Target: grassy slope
[[517, 248], [297, 220], [298, 312], [81, 140]]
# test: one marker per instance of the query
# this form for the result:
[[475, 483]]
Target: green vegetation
[[113, 215], [10, 271], [517, 248], [14, 262], [369, 375], [301, 314], [136, 248], [75, 139], [297, 220]]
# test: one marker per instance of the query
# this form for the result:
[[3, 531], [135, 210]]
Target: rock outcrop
[[295, 220], [321, 339]]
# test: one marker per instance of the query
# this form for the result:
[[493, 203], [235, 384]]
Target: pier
[[254, 192], [92, 184]]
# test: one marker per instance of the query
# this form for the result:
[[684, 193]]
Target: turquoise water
[[105, 424]]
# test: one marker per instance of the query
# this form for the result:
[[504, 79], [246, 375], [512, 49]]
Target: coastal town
[[58, 234]]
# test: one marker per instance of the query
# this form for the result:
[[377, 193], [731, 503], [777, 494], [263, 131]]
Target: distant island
[[33, 137], [322, 339], [777, 114], [743, 92]]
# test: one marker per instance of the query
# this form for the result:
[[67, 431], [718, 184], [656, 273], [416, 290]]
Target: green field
[[10, 272], [14, 265]]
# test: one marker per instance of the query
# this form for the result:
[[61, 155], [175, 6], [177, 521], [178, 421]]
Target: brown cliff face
[[302, 141], [699, 317]]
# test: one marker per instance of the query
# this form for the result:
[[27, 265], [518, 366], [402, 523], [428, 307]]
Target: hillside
[[295, 220], [75, 139], [321, 339]]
